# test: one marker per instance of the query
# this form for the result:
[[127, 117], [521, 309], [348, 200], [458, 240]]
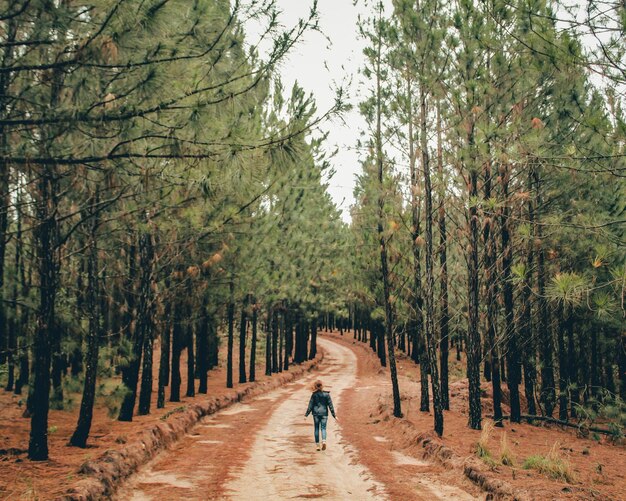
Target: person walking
[[319, 404]]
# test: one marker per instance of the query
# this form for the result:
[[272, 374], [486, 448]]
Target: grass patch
[[173, 411], [553, 465], [482, 446], [506, 456]]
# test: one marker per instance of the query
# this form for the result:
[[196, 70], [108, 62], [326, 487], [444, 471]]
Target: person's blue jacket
[[320, 403]]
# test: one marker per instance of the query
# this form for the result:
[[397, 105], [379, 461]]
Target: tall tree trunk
[[585, 349], [145, 394], [397, 409], [563, 327], [300, 348], [24, 364], [401, 339], [444, 312], [512, 354], [548, 394], [58, 359], [177, 348], [268, 343], [526, 327], [202, 336], [76, 355], [621, 364], [380, 343], [243, 328], [431, 342], [213, 343], [130, 373], [281, 338], [373, 333], [418, 333], [15, 326], [253, 344], [79, 437], [5, 198], [23, 344], [595, 365], [473, 348], [572, 368], [164, 358], [288, 336], [231, 333], [191, 372], [491, 300], [45, 237], [149, 328], [424, 370], [274, 328], [313, 349]]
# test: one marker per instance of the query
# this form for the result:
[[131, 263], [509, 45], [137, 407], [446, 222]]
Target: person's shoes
[[323, 446], [318, 447]]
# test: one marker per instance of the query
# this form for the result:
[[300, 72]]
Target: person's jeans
[[320, 422]]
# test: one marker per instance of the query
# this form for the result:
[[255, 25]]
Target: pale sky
[[319, 65]]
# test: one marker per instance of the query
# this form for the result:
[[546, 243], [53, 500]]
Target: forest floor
[[263, 448]]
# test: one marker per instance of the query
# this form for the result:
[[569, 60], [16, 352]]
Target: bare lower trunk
[[274, 324], [164, 360], [268, 343], [231, 328], [191, 372], [177, 347], [288, 337], [48, 279], [526, 327], [79, 438], [473, 349], [491, 300], [253, 345], [243, 328], [511, 335], [130, 373], [313, 348], [544, 331], [202, 336], [563, 327]]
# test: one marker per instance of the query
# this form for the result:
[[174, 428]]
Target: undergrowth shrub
[[553, 465], [482, 446], [506, 456]]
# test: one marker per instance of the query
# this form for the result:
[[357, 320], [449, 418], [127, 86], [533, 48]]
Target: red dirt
[[264, 450], [599, 467], [21, 479], [390, 450], [231, 441], [245, 451], [377, 440]]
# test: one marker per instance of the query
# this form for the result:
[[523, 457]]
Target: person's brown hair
[[318, 386]]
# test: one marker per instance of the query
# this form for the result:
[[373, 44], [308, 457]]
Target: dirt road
[[264, 449], [284, 463]]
